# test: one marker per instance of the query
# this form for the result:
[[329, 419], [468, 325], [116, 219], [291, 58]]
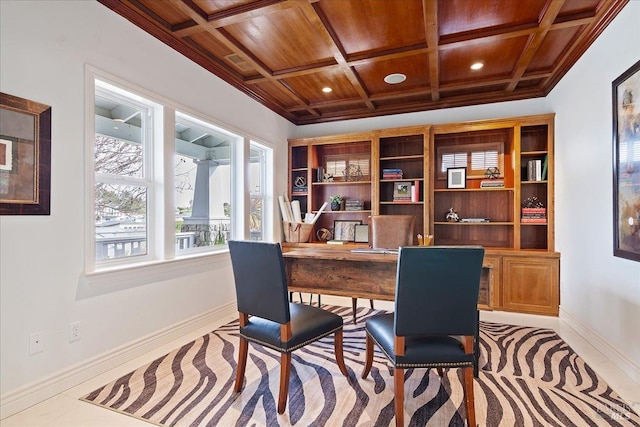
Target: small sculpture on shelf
[[352, 173], [532, 202], [492, 173], [452, 215], [328, 177]]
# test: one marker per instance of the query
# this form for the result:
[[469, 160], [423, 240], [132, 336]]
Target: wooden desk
[[340, 272]]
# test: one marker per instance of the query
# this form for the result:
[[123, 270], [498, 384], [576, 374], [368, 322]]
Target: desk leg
[[476, 346]]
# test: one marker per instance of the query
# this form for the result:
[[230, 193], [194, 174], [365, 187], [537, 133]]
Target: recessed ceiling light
[[477, 66], [395, 78], [327, 89]]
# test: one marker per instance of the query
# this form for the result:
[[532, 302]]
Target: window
[[348, 167], [477, 158], [258, 184], [203, 177], [122, 162], [157, 195]]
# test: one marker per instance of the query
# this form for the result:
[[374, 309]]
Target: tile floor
[[65, 410]]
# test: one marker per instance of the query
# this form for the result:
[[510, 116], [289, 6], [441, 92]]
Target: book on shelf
[[533, 220], [534, 170], [299, 190], [415, 191], [492, 183], [545, 165], [392, 173], [534, 210], [474, 220], [353, 205], [337, 242]]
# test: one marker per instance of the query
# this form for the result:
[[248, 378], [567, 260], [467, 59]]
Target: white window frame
[[161, 261]]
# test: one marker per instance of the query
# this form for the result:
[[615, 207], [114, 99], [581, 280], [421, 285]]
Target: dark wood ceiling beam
[[552, 9], [432, 37], [325, 31]]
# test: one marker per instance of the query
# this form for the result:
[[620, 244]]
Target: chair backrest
[[391, 231], [437, 290], [261, 284]]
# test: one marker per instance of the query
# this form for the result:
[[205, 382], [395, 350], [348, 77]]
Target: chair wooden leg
[[354, 303], [398, 386], [243, 349], [337, 344], [285, 370], [468, 397], [371, 303], [368, 358], [440, 372]]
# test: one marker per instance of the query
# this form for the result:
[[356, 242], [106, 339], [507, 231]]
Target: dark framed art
[[25, 156], [626, 164], [456, 177]]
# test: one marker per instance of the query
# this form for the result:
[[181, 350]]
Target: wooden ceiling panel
[[165, 13], [281, 40], [552, 49], [283, 52], [209, 45], [375, 25], [415, 67], [211, 7], [276, 92], [499, 59], [309, 86], [456, 16]]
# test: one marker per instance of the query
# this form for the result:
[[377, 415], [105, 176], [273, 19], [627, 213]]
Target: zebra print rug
[[528, 377]]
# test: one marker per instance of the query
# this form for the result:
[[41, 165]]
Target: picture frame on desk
[[457, 177], [626, 169], [362, 233], [345, 229]]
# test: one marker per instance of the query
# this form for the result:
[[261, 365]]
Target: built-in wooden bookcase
[[352, 149], [521, 267], [406, 150]]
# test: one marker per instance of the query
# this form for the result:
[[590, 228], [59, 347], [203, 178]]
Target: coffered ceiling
[[283, 53]]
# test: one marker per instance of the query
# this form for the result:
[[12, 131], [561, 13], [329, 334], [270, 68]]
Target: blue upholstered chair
[[268, 318], [435, 318]]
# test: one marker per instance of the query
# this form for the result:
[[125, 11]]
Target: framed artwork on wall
[[25, 156], [626, 164]]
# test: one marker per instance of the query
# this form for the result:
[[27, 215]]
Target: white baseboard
[[38, 391], [625, 364]]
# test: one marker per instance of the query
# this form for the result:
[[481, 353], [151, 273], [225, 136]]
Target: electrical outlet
[[75, 331], [36, 343]]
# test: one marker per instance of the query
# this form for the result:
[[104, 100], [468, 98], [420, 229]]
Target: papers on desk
[[374, 251]]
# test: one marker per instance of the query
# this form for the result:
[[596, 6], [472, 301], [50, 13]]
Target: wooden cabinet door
[[531, 284]]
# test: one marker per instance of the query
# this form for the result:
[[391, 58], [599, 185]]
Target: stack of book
[[534, 215], [537, 169], [296, 190], [353, 205], [391, 173], [492, 183]]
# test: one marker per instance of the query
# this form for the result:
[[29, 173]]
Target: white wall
[[43, 51], [600, 293]]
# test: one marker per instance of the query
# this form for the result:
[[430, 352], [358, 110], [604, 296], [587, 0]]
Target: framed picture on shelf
[[362, 233], [25, 156], [456, 177], [626, 164], [345, 229], [402, 190]]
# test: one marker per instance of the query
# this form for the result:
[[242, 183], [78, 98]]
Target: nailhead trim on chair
[[289, 350], [420, 365]]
